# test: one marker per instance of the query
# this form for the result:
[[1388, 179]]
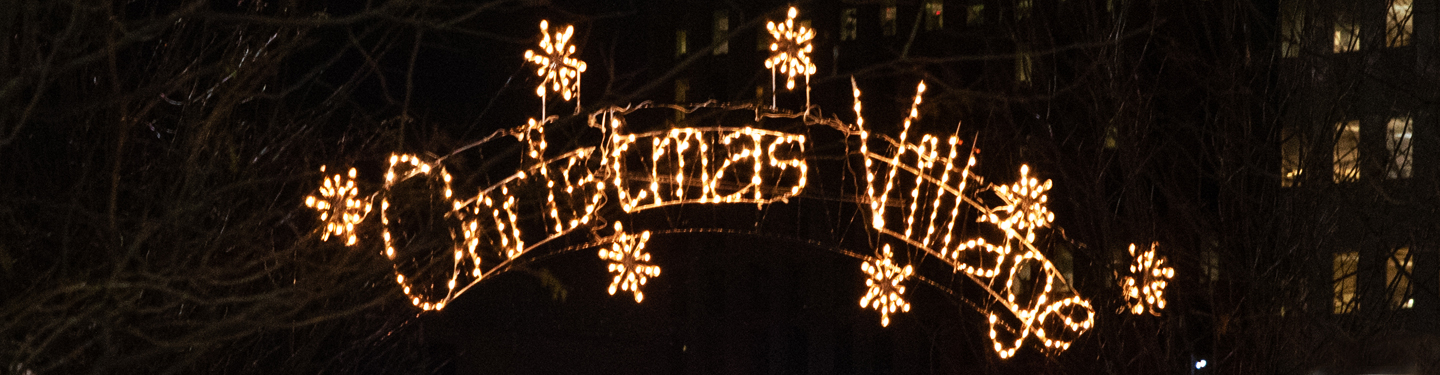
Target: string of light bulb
[[986, 262], [1144, 287], [915, 193], [558, 70], [790, 52]]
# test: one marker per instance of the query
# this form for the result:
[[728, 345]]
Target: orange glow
[[629, 262], [1144, 288]]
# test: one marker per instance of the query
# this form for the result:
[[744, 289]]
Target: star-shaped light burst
[[1144, 288], [629, 262], [339, 209], [1025, 204], [885, 290], [791, 49], [560, 71]]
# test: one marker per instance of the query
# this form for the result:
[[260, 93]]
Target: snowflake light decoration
[[1144, 288], [790, 51], [629, 262], [916, 191], [338, 207], [559, 71], [886, 292], [1024, 205]]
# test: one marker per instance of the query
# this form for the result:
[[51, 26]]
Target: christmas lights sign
[[916, 188]]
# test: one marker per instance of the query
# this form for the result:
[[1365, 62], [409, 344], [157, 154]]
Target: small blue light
[[1201, 364]]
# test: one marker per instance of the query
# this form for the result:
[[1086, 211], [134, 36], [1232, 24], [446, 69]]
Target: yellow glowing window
[[887, 20], [934, 15], [1397, 278], [1346, 265], [1398, 145], [1398, 24], [1292, 28], [975, 14], [1023, 66], [721, 32], [1347, 34], [681, 44], [1347, 154], [1292, 147], [849, 24], [1022, 9]]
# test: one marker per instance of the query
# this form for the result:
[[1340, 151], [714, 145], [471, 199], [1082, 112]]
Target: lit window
[[1347, 34], [681, 45], [721, 32], [975, 14], [1398, 24], [934, 15], [1112, 135], [849, 25], [1397, 278], [1346, 265], [1398, 144], [1022, 9], [1292, 28], [887, 20], [1292, 147], [1347, 155], [1022, 66]]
